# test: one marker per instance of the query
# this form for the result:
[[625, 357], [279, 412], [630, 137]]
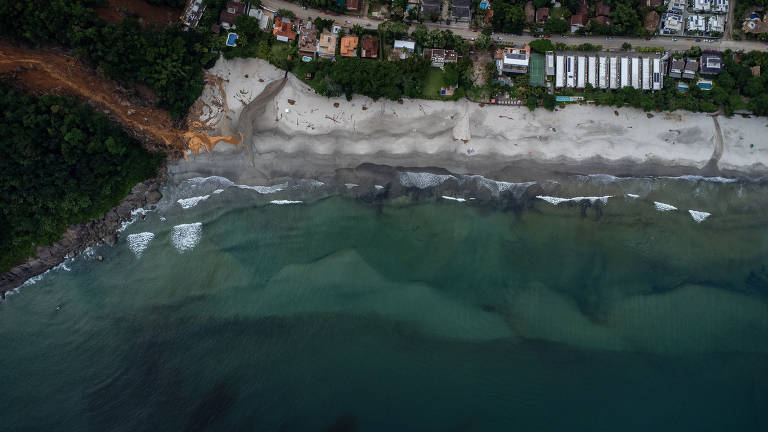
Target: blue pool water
[[231, 38]]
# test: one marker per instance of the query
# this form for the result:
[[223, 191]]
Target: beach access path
[[615, 43]]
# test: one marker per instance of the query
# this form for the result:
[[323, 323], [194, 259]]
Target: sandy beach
[[296, 132]]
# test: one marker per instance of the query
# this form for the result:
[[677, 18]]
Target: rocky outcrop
[[79, 237]]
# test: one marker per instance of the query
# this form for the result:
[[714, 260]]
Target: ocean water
[[310, 307]]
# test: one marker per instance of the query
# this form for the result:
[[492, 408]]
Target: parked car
[[472, 39], [548, 35], [647, 38], [674, 39], [348, 22], [608, 38], [698, 39]]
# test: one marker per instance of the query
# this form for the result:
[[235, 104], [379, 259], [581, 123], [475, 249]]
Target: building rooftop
[[284, 29], [711, 62], [348, 46], [370, 47], [308, 38], [542, 14]]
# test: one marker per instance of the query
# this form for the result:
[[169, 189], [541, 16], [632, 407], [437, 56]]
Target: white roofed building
[[702, 5], [720, 6], [716, 24], [696, 23]]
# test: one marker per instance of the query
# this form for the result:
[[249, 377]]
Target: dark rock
[[153, 196]]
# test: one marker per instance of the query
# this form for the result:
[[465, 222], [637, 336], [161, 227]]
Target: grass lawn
[[433, 83]]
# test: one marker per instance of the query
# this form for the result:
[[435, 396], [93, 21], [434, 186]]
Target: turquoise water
[[423, 314]]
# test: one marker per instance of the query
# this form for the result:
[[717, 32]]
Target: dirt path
[[53, 71]]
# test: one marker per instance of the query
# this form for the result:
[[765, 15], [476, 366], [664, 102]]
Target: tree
[[549, 102], [556, 25], [420, 34], [541, 45], [531, 102], [483, 42], [626, 46]]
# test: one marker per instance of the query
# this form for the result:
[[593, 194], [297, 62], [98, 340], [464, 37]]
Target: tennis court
[[536, 69]]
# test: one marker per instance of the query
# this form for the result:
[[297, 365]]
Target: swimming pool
[[231, 38]]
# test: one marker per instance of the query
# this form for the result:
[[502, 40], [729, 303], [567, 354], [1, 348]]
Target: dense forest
[[169, 61], [61, 163]]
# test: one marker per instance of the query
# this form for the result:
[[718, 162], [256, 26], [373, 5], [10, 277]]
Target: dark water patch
[[215, 405]]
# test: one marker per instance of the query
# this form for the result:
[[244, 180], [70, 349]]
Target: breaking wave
[[139, 242], [558, 200], [450, 198], [186, 236], [186, 203], [699, 216], [663, 207], [284, 202]]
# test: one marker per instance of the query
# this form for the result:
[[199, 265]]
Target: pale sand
[[312, 137]]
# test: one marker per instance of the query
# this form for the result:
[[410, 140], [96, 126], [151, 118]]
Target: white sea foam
[[633, 195], [218, 191], [284, 202], [496, 187], [558, 200], [186, 236], [696, 178], [186, 203], [422, 180], [453, 198], [663, 207], [351, 185], [597, 178], [198, 181], [265, 189], [378, 187], [139, 242], [699, 216], [134, 217]]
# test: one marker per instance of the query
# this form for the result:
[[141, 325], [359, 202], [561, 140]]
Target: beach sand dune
[[300, 132]]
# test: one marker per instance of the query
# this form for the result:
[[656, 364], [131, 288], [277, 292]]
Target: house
[[192, 14], [755, 71], [348, 47], [754, 25], [326, 46], [711, 63], [577, 21], [716, 24], [542, 15], [696, 23], [231, 11], [353, 5], [439, 57], [370, 47], [671, 23], [409, 46], [702, 5], [653, 3], [283, 30], [431, 7], [720, 6], [651, 22], [460, 10], [676, 68], [401, 50], [602, 9], [609, 70], [308, 39], [691, 67], [261, 16], [530, 13], [512, 60]]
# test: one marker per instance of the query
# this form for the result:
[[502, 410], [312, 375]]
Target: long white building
[[605, 70]]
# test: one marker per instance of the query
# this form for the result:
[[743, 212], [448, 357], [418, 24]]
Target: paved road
[[668, 43]]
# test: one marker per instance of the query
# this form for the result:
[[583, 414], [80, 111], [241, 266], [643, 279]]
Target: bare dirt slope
[[47, 71]]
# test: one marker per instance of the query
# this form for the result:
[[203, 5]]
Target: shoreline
[[79, 237], [292, 133]]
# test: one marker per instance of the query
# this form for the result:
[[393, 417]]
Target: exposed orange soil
[[144, 12], [52, 71]]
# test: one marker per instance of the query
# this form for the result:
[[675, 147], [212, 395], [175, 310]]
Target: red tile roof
[[283, 28]]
